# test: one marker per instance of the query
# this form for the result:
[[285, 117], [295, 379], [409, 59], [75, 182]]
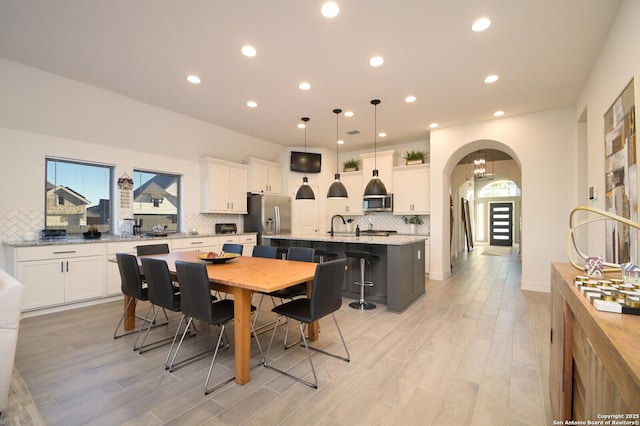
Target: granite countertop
[[391, 240], [108, 238]]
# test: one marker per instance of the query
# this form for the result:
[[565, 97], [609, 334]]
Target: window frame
[[179, 202]]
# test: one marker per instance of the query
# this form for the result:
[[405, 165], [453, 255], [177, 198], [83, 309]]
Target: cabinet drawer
[[194, 243], [59, 251], [122, 247]]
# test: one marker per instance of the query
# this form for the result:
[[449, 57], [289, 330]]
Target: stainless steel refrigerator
[[268, 214]]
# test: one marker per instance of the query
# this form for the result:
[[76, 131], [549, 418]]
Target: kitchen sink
[[377, 233]]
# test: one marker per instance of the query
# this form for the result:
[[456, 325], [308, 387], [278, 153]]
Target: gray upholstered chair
[[11, 292]]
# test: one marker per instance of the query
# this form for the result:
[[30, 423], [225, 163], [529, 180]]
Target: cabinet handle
[[61, 267], [67, 266], [64, 252], [197, 242]]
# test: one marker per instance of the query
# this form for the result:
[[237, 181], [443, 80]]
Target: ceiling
[[144, 49]]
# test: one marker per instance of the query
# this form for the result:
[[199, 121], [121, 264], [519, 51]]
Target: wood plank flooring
[[473, 351]]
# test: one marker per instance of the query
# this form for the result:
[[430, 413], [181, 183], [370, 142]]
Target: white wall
[[617, 63], [543, 144]]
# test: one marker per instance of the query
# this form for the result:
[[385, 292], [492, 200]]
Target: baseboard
[[535, 286]]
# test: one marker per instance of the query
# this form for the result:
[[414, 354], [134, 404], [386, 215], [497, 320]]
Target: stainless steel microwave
[[378, 204]]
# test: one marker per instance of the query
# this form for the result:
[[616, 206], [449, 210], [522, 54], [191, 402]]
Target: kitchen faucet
[[333, 217]]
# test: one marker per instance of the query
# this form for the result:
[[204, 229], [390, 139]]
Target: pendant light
[[305, 192], [337, 189], [375, 188]]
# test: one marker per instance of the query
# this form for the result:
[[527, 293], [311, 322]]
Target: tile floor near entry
[[473, 351]]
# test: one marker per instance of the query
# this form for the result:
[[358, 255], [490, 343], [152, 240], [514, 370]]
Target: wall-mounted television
[[305, 162]]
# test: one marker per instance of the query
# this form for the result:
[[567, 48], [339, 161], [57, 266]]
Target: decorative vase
[[412, 162], [351, 169], [412, 228]]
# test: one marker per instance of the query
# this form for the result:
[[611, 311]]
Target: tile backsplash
[[15, 222], [381, 221]]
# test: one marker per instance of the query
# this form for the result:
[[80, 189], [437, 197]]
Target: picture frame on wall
[[621, 176]]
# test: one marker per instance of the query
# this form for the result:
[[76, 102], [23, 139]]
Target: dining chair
[[162, 294], [152, 249], [195, 289], [268, 252], [302, 254], [326, 298], [232, 248], [132, 286]]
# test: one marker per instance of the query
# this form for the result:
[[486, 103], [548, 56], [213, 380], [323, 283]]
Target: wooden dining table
[[241, 277]]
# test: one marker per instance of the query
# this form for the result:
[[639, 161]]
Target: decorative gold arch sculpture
[[601, 215]]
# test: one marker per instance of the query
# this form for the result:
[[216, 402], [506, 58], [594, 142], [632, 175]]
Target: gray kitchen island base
[[397, 273]]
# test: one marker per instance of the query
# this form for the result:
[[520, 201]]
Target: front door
[[501, 224]]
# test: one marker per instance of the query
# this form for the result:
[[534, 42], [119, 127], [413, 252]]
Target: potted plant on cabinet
[[351, 165], [412, 221], [415, 157]]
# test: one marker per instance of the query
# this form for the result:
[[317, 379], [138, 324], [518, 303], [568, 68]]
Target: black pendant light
[[305, 192], [375, 188], [337, 189]]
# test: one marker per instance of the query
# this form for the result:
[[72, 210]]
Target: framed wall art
[[621, 177]]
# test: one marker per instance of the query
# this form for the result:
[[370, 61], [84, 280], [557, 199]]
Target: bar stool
[[364, 257]]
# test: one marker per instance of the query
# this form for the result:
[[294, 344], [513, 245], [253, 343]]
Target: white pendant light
[[337, 189], [375, 188], [305, 192]]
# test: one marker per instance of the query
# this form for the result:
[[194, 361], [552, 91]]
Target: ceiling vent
[[353, 132]]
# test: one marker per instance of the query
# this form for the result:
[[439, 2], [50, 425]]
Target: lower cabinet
[[54, 275]]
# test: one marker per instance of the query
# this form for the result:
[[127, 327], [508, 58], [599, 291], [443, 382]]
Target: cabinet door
[[114, 284], [84, 278], [411, 191], [237, 190], [218, 187], [275, 181], [353, 204], [43, 281]]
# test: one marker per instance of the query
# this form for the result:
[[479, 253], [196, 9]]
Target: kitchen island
[[397, 273]]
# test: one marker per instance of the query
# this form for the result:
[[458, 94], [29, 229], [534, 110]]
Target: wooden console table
[[595, 356]]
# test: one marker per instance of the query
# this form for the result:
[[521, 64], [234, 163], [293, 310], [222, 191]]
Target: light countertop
[[391, 240], [110, 238]]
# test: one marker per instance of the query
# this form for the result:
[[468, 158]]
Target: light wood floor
[[473, 351]]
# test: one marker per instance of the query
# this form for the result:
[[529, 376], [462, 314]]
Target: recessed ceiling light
[[433, 125], [252, 104], [304, 86], [340, 142], [498, 113], [376, 61], [382, 134], [193, 79], [301, 126], [481, 24], [348, 114], [410, 99], [491, 79], [248, 51], [330, 9]]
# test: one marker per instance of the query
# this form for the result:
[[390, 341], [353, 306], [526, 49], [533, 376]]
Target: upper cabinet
[[352, 181], [224, 186], [411, 186], [264, 176], [384, 161]]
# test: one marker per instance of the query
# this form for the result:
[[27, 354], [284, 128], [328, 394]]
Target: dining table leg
[[130, 313], [242, 326]]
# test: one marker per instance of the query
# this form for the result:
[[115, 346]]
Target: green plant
[[351, 164], [414, 155], [416, 220]]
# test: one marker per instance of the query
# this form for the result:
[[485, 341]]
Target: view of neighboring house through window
[[156, 200], [77, 195]]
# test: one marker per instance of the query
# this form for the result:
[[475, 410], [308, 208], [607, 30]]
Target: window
[[156, 200], [77, 195], [500, 188]]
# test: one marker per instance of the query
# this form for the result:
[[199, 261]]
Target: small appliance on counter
[[226, 228]]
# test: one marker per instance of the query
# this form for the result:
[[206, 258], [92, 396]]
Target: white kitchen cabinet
[[411, 190], [224, 186], [352, 181], [54, 275], [385, 161], [264, 176], [248, 242]]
